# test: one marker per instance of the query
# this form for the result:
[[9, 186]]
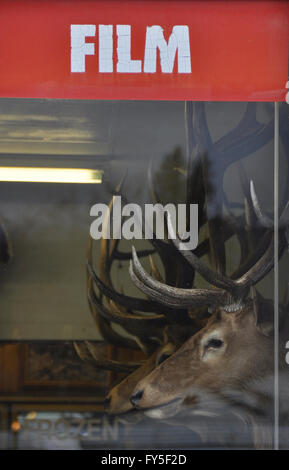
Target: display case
[[144, 224]]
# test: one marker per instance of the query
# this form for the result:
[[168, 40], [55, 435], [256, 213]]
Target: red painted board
[[238, 50]]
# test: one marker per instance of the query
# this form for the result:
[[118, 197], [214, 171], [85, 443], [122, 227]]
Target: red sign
[[172, 50]]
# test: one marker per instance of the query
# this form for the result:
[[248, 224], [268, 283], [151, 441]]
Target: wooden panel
[[10, 368]]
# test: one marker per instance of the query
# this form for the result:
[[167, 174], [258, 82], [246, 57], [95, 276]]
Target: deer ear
[[263, 314]]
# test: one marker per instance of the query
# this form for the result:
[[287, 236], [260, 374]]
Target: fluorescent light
[[50, 175]]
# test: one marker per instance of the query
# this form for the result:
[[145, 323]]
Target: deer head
[[229, 352], [233, 350]]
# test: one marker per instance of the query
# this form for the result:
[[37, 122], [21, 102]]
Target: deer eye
[[214, 343]]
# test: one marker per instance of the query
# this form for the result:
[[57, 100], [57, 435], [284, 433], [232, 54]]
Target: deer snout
[[136, 397]]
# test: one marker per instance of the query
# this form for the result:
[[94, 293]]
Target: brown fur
[[213, 392]]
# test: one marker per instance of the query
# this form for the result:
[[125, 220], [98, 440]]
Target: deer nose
[[136, 397]]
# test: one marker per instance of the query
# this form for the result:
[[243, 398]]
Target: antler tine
[[89, 352], [145, 329], [249, 224], [135, 322], [104, 283], [237, 226], [132, 303], [252, 259], [146, 344], [172, 296], [108, 247], [104, 326], [235, 289], [154, 269], [259, 269], [82, 352], [247, 127], [214, 196], [284, 218], [141, 304], [195, 189], [247, 137], [263, 218], [109, 364], [215, 278], [180, 298], [266, 221], [180, 275], [128, 302], [250, 214], [164, 249]]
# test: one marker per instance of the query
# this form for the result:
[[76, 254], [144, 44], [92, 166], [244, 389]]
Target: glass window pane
[[191, 187]]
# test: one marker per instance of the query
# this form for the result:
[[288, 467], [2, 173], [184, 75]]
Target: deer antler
[[230, 293], [168, 295], [264, 219], [268, 221], [147, 318], [89, 352]]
